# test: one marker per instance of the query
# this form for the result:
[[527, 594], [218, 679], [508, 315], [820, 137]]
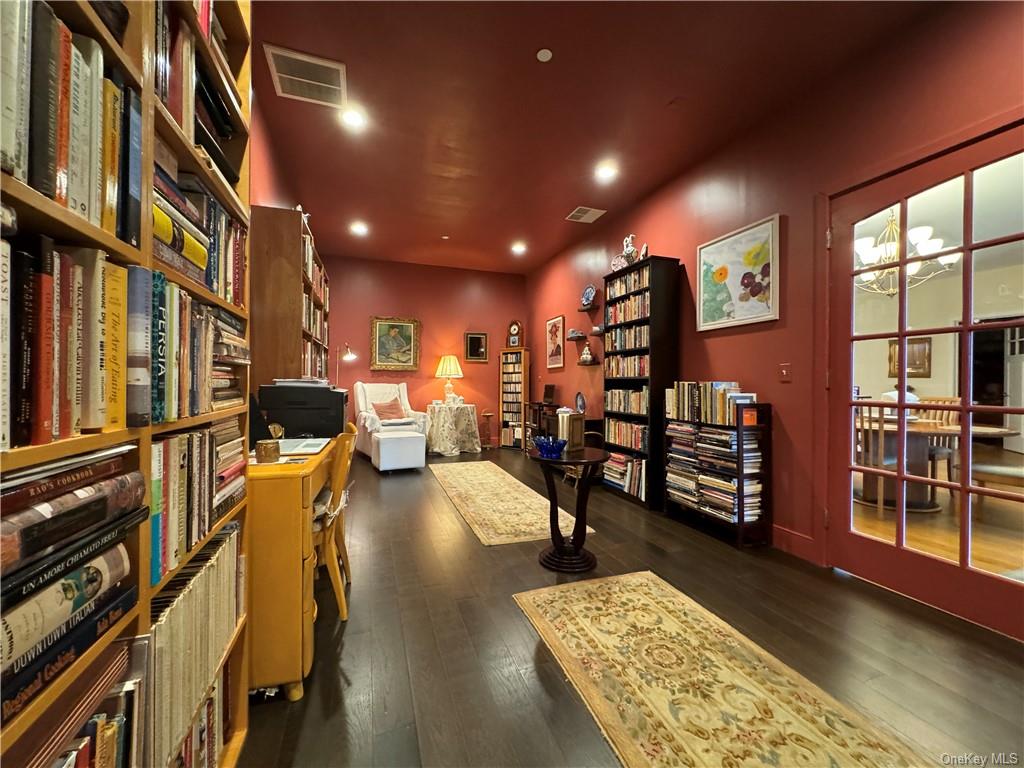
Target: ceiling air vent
[[306, 78], [585, 215]]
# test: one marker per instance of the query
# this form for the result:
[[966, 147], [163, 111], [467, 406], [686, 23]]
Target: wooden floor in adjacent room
[[437, 666]]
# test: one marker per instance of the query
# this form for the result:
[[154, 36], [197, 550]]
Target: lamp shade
[[448, 368]]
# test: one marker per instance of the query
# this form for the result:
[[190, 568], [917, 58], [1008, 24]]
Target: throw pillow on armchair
[[389, 410]]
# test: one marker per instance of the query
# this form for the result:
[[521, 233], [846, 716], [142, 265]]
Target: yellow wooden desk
[[281, 567]]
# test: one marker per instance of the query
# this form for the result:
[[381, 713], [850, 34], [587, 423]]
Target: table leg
[[568, 556]]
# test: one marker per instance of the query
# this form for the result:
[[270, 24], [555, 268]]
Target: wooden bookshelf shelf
[[199, 291], [198, 421], [38, 213], [625, 415], [633, 351], [232, 19], [307, 335], [231, 515], [81, 18], [624, 323], [38, 707], [191, 160], [29, 455]]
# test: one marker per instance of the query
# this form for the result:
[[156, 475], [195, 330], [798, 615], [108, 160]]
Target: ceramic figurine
[[585, 355], [643, 253]]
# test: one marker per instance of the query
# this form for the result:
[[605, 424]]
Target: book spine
[[77, 347], [140, 314], [112, 110], [78, 140], [66, 367], [15, 73], [131, 193], [63, 115], [94, 55], [168, 520], [117, 345], [159, 347], [94, 363], [23, 329], [180, 218], [42, 355], [180, 531], [156, 496], [24, 688], [55, 346], [170, 380], [169, 232], [176, 261], [5, 345], [43, 117], [56, 485]]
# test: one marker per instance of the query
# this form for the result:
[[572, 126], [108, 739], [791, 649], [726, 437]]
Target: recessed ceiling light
[[444, 237], [354, 118], [606, 171], [544, 55], [518, 247], [359, 228]]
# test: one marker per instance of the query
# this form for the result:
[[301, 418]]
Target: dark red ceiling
[[473, 138]]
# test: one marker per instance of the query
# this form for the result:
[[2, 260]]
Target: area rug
[[499, 508], [670, 684]]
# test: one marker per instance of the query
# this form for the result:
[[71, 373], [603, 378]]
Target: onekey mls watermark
[[981, 760]]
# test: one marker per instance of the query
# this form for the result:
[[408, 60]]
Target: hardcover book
[[117, 345], [43, 109], [140, 314]]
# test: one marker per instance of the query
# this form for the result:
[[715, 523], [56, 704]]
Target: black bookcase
[[641, 352], [751, 519]]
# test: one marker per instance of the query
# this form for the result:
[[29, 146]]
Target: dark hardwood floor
[[437, 665]]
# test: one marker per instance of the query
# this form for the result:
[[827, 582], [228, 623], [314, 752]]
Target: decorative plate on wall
[[588, 295], [581, 402]]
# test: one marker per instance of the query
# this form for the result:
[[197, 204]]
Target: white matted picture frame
[[554, 342], [737, 277]]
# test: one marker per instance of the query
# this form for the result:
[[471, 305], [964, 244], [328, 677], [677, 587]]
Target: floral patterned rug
[[499, 508], [671, 684]]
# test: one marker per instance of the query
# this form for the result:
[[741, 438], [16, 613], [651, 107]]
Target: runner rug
[[671, 684], [499, 508]]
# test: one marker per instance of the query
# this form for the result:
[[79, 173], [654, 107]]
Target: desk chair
[[871, 448], [942, 447], [329, 518]]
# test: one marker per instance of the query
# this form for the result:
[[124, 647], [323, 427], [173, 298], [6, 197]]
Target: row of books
[[197, 477], [314, 319], [316, 274], [621, 366], [193, 233], [626, 433], [628, 474], [79, 141], [636, 307], [634, 281], [314, 359], [710, 402], [631, 337], [512, 435], [65, 567], [513, 378], [635, 401], [188, 89]]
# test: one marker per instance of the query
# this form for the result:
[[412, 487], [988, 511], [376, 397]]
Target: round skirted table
[[566, 554]]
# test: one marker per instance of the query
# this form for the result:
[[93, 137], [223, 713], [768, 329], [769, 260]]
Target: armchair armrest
[[368, 420], [421, 418]]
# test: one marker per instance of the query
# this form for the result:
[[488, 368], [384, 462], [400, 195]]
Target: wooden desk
[[281, 566]]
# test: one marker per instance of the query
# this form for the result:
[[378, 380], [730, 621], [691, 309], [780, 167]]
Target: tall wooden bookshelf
[[290, 335], [515, 397], [641, 355], [36, 213]]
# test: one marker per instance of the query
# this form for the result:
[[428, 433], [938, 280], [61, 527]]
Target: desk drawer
[[308, 571]]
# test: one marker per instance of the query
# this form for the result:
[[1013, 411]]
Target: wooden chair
[[590, 440], [942, 447], [870, 447], [329, 518]]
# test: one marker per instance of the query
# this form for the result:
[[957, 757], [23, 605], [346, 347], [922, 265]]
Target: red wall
[[447, 302], [959, 74], [267, 183]]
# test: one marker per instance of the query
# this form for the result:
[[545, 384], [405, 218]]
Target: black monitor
[[305, 410], [549, 394]]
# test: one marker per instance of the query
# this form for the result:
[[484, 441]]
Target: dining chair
[[871, 447], [329, 518], [942, 447]]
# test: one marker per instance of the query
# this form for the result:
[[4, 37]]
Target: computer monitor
[[549, 394], [305, 410]]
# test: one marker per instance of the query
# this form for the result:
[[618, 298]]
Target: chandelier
[[883, 253]]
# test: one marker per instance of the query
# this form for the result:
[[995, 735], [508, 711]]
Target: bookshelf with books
[[515, 396], [291, 335], [641, 353], [124, 306], [720, 471]]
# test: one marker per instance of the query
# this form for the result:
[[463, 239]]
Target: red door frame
[[975, 595]]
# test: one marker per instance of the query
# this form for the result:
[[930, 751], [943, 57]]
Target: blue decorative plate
[[581, 402], [588, 295]]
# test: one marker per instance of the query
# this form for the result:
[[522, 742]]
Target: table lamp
[[448, 368]]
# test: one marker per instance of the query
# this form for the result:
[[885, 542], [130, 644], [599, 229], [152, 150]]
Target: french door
[[926, 473]]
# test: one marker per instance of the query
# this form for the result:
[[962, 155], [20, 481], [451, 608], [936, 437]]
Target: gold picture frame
[[919, 358], [394, 344], [476, 347]]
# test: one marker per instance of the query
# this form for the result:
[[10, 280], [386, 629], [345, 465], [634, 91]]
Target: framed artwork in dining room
[[737, 280], [919, 358], [394, 344], [476, 347], [554, 342]]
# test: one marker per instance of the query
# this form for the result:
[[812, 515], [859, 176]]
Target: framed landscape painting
[[736, 282], [394, 344], [554, 342]]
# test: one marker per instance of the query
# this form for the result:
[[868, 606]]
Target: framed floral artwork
[[554, 342], [394, 344], [737, 277]]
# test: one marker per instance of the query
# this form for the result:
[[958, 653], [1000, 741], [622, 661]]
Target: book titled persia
[[158, 347], [42, 528], [140, 314], [30, 621]]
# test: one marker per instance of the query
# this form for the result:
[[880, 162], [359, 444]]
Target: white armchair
[[367, 421]]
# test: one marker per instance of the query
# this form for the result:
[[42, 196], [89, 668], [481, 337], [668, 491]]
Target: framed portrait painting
[[394, 344], [554, 342], [737, 279], [476, 347]]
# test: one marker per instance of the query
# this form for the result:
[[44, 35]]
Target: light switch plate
[[785, 373]]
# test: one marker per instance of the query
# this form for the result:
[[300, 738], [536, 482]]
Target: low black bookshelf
[[641, 361], [720, 474]]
